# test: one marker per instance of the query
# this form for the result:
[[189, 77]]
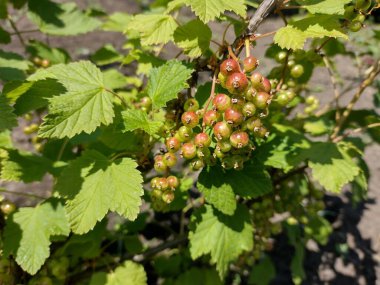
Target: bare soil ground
[[359, 228]]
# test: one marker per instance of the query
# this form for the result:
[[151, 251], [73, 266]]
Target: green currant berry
[[250, 94], [355, 26], [250, 63], [191, 105], [173, 144], [229, 66], [224, 146], [203, 153], [281, 56], [291, 94], [211, 117], [256, 80], [222, 130], [170, 159], [350, 13], [146, 102], [188, 150], [363, 5], [185, 133], [160, 165], [237, 83], [190, 119], [168, 197], [45, 63], [227, 162], [237, 161], [261, 100], [221, 102], [197, 164], [7, 207], [291, 63], [311, 100], [222, 79], [202, 140], [249, 109], [153, 182], [282, 99], [173, 182], [254, 124], [360, 18], [239, 139], [262, 132], [297, 71]]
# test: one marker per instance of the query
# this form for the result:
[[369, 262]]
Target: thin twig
[[335, 87], [355, 131], [61, 150], [317, 50], [259, 36], [118, 96], [366, 82], [25, 32], [17, 32]]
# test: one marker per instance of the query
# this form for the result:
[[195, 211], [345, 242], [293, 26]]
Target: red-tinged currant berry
[[254, 124], [281, 56], [237, 83], [211, 117], [170, 159], [237, 103], [167, 197], [233, 117], [297, 71], [202, 140], [239, 139], [153, 182], [221, 102], [250, 94], [45, 63], [173, 182], [250, 63], [266, 85], [191, 105], [262, 132], [188, 150], [363, 5], [249, 109], [173, 144], [224, 146], [261, 100], [197, 164], [203, 153], [185, 133], [222, 79], [282, 99], [229, 66], [222, 130], [219, 154], [256, 80], [190, 119], [146, 102], [355, 26], [162, 183], [160, 165], [7, 207]]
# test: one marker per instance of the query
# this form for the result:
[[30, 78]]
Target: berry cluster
[[356, 14], [163, 191]]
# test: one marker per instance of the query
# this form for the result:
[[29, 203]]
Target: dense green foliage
[[157, 176]]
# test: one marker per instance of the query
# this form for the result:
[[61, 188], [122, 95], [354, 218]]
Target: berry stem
[[212, 95], [283, 72], [231, 54], [355, 131], [335, 87], [123, 102], [259, 36], [247, 47]]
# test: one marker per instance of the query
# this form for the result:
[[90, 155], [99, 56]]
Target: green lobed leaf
[[28, 231], [60, 19], [208, 10], [21, 166], [54, 55], [93, 185], [330, 7], [193, 37], [153, 28], [85, 105], [220, 186], [114, 79], [106, 55], [8, 119], [12, 66], [117, 22], [294, 35], [223, 237], [5, 37], [263, 272], [166, 81], [134, 119]]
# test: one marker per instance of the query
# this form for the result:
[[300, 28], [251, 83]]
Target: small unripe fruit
[[297, 71], [250, 63], [291, 63], [355, 26], [221, 102], [310, 100], [233, 117], [229, 66], [237, 161], [350, 13], [237, 83], [250, 94], [45, 63], [363, 5], [222, 130], [211, 117], [219, 154], [227, 162], [266, 86], [261, 100], [239, 139], [222, 79], [7, 207], [256, 80], [37, 60], [203, 153], [170, 159], [146, 102], [160, 165], [202, 140], [360, 18], [281, 56], [224, 146], [262, 132], [191, 105], [185, 133], [168, 197], [253, 124], [237, 103], [282, 99], [291, 94], [153, 182], [173, 181], [197, 164], [173, 144], [249, 109], [188, 150], [162, 183], [190, 119], [156, 193]]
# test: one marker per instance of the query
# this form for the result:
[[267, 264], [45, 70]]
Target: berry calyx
[[250, 63], [170, 159], [239, 139], [221, 102], [237, 83], [261, 100], [297, 71], [190, 119], [191, 105], [211, 117], [222, 130], [173, 144], [233, 116], [188, 150], [202, 140], [229, 66]]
